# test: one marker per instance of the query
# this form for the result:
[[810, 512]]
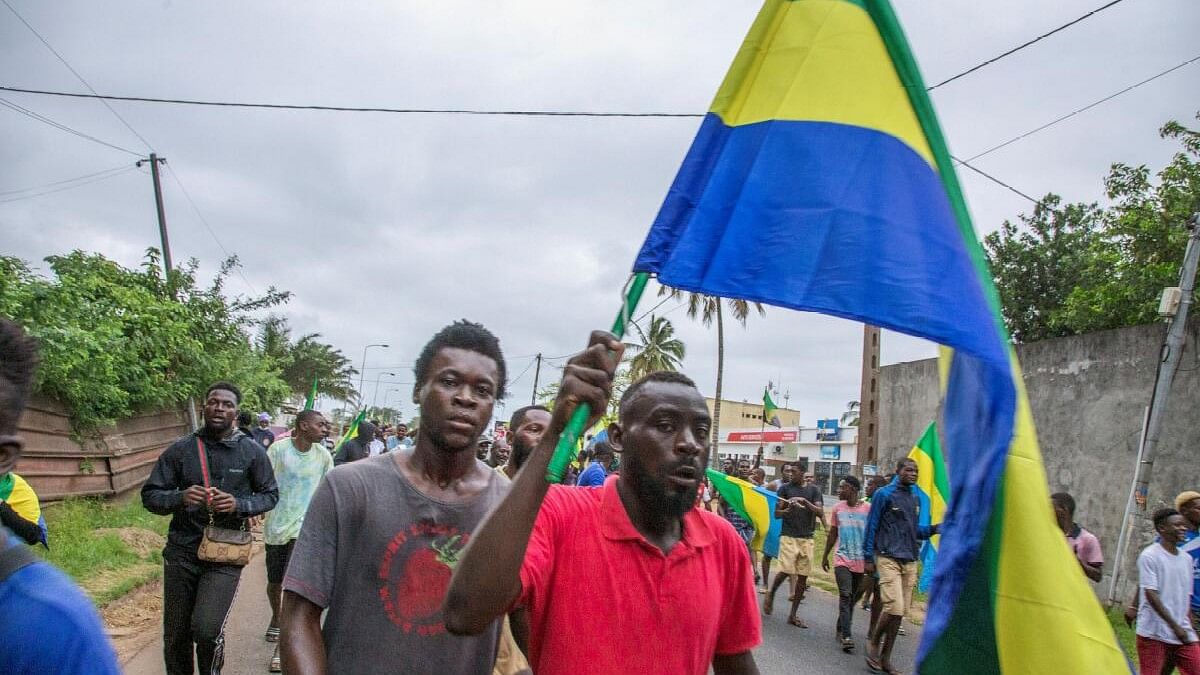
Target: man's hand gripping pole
[[564, 452]]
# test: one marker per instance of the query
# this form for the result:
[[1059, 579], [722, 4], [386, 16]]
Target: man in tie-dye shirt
[[299, 463]]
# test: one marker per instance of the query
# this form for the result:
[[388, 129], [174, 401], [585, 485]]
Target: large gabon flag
[[820, 181]]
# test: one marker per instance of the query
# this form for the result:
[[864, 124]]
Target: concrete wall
[[1088, 394]]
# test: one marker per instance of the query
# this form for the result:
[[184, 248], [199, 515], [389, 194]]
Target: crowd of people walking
[[445, 550]]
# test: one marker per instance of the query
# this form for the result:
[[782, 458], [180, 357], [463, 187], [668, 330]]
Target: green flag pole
[[311, 401], [564, 452]]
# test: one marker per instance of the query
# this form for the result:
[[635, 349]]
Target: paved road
[[785, 650], [245, 651]]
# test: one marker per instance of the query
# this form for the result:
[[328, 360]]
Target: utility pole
[[1172, 350], [168, 265], [162, 217], [536, 374], [1152, 422]]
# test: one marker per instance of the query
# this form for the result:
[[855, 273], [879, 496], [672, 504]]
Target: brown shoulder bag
[[221, 544]]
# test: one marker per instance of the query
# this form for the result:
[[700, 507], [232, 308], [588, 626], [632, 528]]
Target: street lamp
[[362, 371], [387, 395], [375, 399]]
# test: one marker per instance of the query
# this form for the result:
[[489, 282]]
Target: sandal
[[873, 665], [797, 622], [272, 634], [276, 666], [847, 644]]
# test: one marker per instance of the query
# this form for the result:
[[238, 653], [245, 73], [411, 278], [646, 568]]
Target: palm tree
[[708, 307], [659, 350], [850, 417]]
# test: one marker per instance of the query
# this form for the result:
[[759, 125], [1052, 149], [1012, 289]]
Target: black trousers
[[848, 584], [196, 599]]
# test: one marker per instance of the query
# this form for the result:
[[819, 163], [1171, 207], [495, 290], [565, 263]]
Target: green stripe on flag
[[730, 492]]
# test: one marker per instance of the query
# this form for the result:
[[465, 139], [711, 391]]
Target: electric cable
[[1019, 47], [62, 127], [75, 73], [1085, 108], [204, 221], [63, 182], [95, 179]]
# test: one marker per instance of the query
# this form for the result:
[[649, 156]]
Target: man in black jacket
[[197, 595]]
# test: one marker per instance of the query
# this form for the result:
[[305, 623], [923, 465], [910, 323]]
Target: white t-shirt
[[1171, 576], [375, 448]]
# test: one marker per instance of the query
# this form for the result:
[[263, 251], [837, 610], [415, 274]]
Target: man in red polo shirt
[[597, 567]]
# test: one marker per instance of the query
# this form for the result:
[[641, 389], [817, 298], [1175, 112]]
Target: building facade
[[827, 450]]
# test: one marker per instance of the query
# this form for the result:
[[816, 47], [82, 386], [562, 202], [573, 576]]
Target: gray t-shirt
[[378, 555], [1171, 576]]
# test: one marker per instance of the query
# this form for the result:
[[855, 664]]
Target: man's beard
[[215, 429], [518, 453], [669, 500]]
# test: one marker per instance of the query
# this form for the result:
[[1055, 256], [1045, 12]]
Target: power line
[[62, 127], [62, 182], [204, 221], [75, 73], [470, 111], [339, 108], [94, 179], [1019, 47], [1001, 183], [1080, 110], [518, 378]]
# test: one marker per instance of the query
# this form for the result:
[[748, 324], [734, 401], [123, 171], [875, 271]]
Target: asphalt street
[[786, 650]]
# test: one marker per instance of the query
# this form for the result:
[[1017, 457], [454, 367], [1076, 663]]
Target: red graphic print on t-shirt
[[414, 575]]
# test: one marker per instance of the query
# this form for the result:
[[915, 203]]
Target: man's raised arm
[[487, 578]]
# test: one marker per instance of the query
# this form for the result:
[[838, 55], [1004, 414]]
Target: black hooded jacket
[[237, 465]]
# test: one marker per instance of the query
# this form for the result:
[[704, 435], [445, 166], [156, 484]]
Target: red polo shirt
[[602, 599]]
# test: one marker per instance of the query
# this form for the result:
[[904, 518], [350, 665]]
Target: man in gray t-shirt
[[378, 554], [382, 535]]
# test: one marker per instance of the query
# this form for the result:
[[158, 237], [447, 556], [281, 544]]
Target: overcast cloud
[[387, 227]]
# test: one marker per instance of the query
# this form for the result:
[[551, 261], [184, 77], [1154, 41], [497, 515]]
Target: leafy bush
[[114, 341]]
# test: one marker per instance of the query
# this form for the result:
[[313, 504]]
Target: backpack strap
[[13, 559]]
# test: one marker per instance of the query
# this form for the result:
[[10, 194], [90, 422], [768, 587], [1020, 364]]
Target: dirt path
[[245, 651]]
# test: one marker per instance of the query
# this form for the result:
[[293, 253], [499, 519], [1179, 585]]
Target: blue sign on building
[[831, 452], [827, 430]]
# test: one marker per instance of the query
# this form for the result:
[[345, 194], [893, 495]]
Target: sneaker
[[276, 666], [272, 634], [901, 631]]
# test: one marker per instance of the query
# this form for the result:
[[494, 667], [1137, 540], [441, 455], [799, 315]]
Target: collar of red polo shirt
[[616, 525]]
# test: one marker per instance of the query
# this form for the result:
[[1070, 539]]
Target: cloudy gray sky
[[386, 227]]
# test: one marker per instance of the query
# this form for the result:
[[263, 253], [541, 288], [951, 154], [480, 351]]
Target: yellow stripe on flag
[[1040, 587], [826, 46]]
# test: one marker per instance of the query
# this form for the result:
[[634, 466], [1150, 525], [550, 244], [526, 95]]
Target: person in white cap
[[262, 433]]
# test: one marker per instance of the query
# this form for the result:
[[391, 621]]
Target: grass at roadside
[[107, 565], [1125, 635]]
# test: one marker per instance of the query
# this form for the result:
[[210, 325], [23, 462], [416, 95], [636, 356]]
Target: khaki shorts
[[896, 582], [509, 658], [795, 556]]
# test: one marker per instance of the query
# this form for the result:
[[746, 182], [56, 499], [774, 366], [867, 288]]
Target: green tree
[[658, 350], [1083, 267], [114, 342], [307, 357], [1038, 264], [708, 308]]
